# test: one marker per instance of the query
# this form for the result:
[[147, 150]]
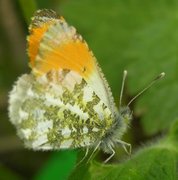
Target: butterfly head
[[126, 115], [122, 120]]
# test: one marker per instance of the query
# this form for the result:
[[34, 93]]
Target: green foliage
[[142, 37], [28, 9], [59, 166], [158, 160]]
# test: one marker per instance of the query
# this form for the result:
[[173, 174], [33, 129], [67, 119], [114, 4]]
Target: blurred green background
[[140, 36]]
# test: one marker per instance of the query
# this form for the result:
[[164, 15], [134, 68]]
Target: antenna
[[160, 76], [122, 87]]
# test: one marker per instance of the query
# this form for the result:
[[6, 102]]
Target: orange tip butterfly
[[65, 101]]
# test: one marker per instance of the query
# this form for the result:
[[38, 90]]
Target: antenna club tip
[[125, 72], [162, 74]]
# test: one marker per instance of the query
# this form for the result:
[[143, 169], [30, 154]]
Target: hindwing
[[58, 110]]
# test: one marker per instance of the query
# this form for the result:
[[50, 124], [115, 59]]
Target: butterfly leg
[[125, 145], [86, 153], [94, 151], [113, 153]]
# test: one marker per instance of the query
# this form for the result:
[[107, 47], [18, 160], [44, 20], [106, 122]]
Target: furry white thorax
[[114, 135]]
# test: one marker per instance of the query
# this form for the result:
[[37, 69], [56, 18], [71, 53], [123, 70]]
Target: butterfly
[[64, 102]]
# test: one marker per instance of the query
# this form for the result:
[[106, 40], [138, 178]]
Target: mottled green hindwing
[[58, 110]]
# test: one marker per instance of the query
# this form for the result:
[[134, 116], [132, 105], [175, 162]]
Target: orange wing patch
[[39, 25], [34, 41], [56, 45], [73, 55]]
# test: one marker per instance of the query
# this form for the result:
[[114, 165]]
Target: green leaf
[[173, 133], [28, 9], [156, 161], [81, 171], [140, 37], [59, 166]]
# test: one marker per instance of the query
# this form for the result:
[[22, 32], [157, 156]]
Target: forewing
[[61, 47], [58, 110]]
